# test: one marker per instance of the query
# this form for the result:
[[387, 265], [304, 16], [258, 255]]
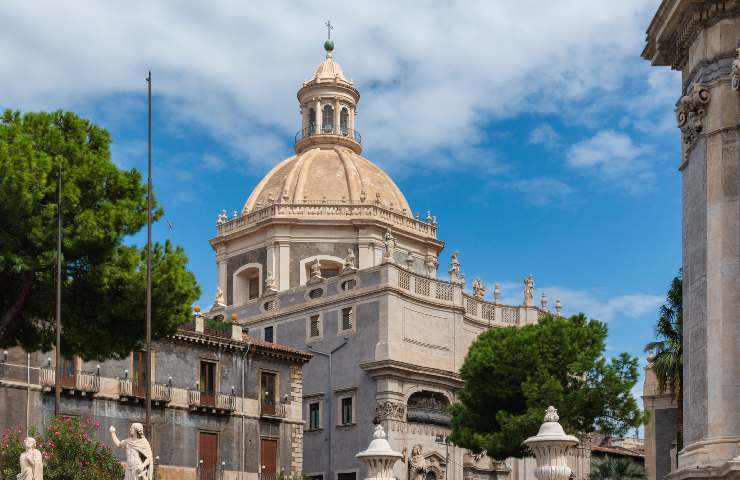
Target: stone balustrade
[[441, 293], [329, 209], [161, 392], [83, 382]]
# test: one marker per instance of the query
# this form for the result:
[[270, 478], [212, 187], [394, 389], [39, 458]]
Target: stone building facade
[[701, 39], [327, 256], [223, 402], [660, 429]]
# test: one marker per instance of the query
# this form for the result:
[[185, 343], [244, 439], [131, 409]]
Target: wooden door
[[268, 456], [268, 393], [67, 379], [138, 374], [208, 454], [207, 383]]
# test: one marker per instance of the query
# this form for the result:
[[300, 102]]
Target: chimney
[[199, 324]]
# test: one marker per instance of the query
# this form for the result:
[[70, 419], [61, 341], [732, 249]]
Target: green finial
[[329, 45]]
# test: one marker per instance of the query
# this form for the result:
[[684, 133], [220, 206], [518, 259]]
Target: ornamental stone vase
[[550, 448], [379, 457]]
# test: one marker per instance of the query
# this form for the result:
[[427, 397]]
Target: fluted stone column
[[699, 39]]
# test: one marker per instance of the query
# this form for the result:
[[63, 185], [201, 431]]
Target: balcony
[[82, 383], [129, 390], [273, 410], [334, 134], [220, 403]]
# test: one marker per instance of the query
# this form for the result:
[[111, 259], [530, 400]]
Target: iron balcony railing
[[329, 129], [127, 388], [269, 409], [210, 472], [220, 402], [85, 382]]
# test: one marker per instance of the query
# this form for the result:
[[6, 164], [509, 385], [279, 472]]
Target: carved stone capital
[[390, 410], [690, 112]]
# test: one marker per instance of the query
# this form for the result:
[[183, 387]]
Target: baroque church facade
[[328, 257]]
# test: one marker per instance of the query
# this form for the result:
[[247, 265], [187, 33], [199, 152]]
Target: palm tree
[[667, 351], [610, 468]]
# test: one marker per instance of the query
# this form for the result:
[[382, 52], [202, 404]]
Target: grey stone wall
[[258, 255], [665, 438]]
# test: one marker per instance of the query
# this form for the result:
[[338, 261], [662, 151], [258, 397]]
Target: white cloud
[[613, 157], [545, 135], [539, 191], [431, 78]]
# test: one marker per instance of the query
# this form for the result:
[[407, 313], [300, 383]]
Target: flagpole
[[58, 326], [149, 265]]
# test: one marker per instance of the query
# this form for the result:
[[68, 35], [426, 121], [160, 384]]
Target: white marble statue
[[390, 246], [316, 270], [32, 463], [417, 464], [270, 283], [349, 260], [220, 296], [529, 290], [139, 458]]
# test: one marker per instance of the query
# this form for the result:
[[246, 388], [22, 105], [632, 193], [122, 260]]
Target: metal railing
[[215, 401], [79, 381], [210, 472], [268, 409], [328, 129], [161, 392]]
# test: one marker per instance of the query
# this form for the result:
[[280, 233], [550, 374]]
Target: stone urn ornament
[[139, 458], [379, 456], [32, 463], [550, 447]]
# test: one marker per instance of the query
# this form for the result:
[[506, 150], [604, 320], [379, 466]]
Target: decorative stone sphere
[[233, 317], [197, 309], [329, 45]]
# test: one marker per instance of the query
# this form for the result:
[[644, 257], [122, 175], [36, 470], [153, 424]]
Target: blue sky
[[532, 130]]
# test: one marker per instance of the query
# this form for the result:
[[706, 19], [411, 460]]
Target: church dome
[[331, 174]]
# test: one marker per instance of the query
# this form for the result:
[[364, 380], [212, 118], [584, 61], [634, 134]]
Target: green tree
[[512, 374], [667, 350], [103, 280], [610, 468]]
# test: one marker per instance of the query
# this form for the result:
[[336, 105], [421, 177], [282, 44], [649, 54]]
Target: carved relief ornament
[[735, 72], [390, 410], [690, 112]]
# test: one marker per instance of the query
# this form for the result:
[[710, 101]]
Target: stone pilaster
[[700, 39]]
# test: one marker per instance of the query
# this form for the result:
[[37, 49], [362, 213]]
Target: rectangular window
[[347, 476], [315, 327], [314, 416], [346, 410], [269, 336], [347, 319], [254, 287]]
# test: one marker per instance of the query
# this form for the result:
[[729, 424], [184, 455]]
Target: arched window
[[311, 121], [327, 120], [247, 283], [344, 121]]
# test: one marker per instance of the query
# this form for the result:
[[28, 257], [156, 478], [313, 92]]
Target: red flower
[[56, 434]]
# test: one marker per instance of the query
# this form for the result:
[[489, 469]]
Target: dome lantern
[[328, 103]]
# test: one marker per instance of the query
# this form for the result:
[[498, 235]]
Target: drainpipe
[[241, 458], [330, 424]]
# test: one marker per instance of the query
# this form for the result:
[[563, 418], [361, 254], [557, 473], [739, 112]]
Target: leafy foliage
[[70, 451], [513, 374], [667, 351], [611, 468], [103, 280]]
